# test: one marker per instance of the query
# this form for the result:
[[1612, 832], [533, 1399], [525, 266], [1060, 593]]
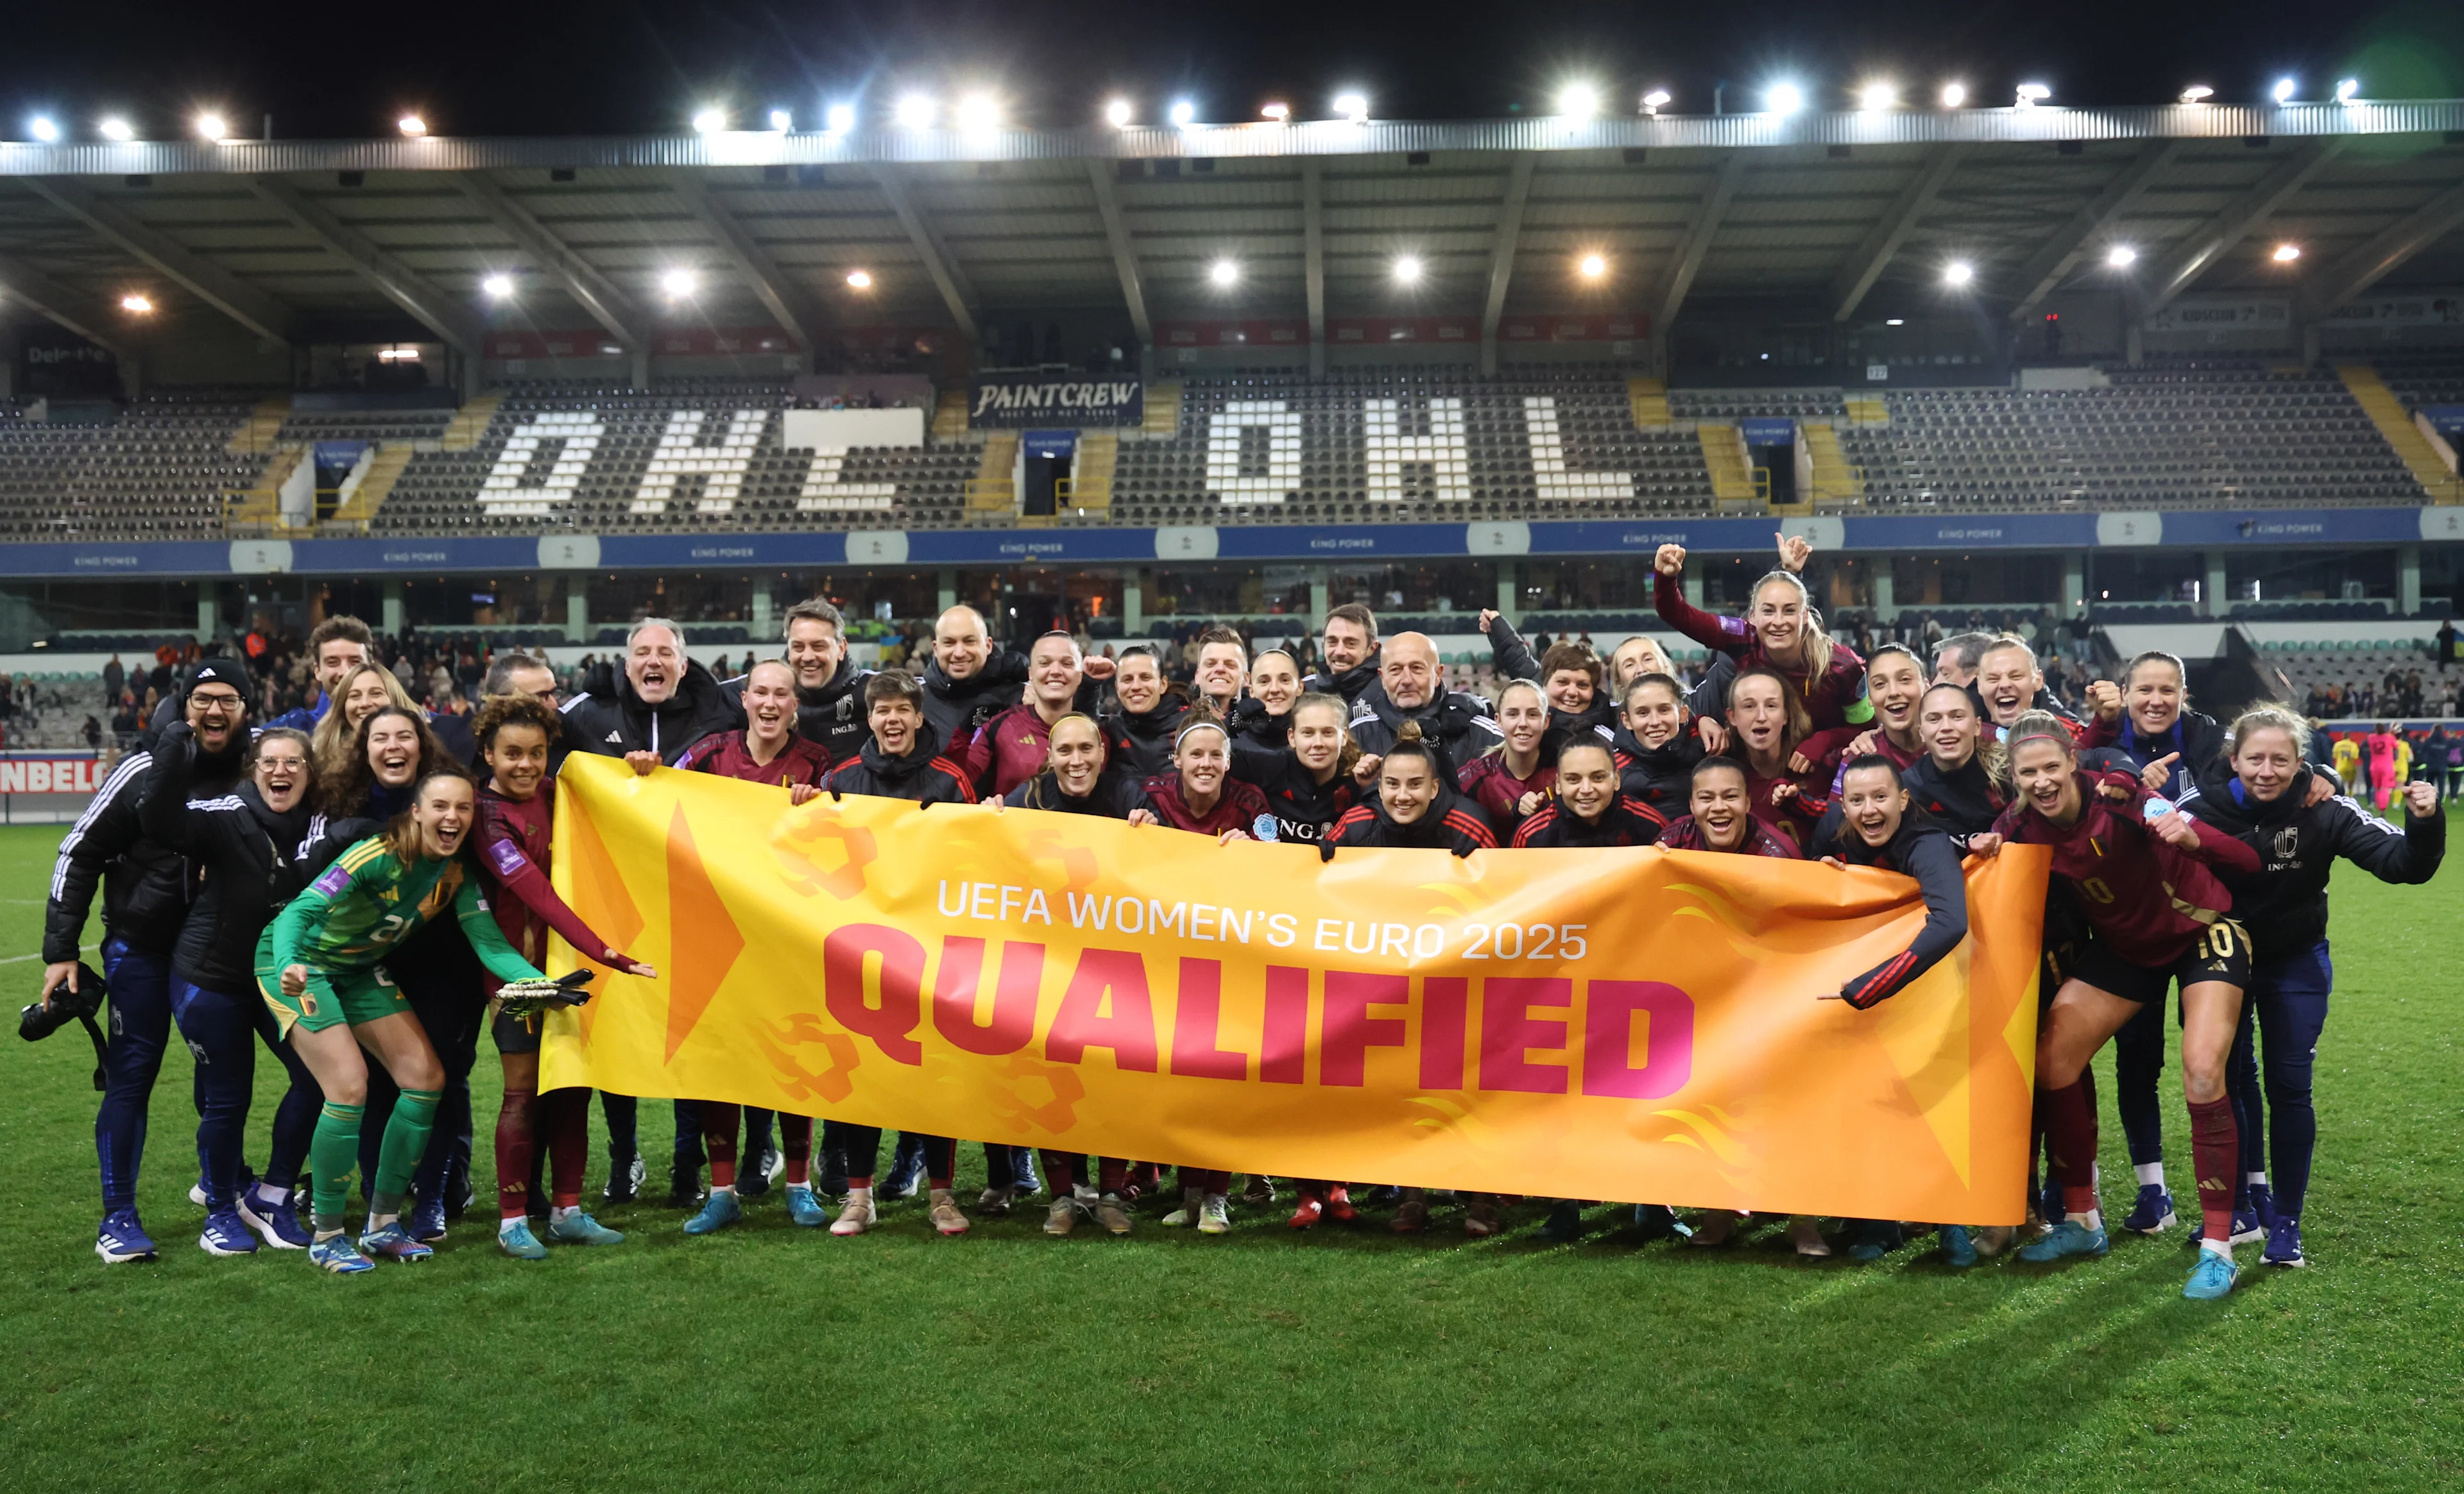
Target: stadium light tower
[[2286, 254], [497, 287], [1578, 101], [1958, 272], [839, 117], [1953, 94], [1783, 98], [411, 126], [913, 111], [2197, 92], [709, 121], [1118, 114], [1352, 105], [138, 304], [43, 127], [2030, 95], [2121, 256], [2348, 90], [2283, 91], [1185, 113], [117, 129], [1654, 101], [678, 284], [1878, 95]]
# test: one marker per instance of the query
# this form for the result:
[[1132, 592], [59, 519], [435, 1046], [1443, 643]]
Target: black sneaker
[[684, 1187], [751, 1183], [625, 1179]]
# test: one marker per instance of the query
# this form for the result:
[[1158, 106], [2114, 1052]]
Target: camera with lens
[[39, 1022]]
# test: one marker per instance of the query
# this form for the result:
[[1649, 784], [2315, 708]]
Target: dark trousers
[[623, 1114], [139, 983], [2137, 1067], [223, 1030], [2287, 1006], [861, 1147]]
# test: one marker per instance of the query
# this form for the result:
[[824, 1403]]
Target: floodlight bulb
[[2121, 256], [781, 120], [2197, 92], [2030, 95], [117, 129], [1578, 101], [708, 121], [915, 112], [1878, 96], [1654, 101], [44, 128], [1276, 112], [499, 287], [839, 117], [1953, 94], [411, 126], [978, 112], [1407, 268], [1592, 266], [678, 284], [859, 279], [1224, 272], [1185, 113], [1118, 114], [1353, 106], [1895, 321], [2347, 89], [2286, 254], [2283, 92], [1959, 272], [139, 304], [1784, 98]]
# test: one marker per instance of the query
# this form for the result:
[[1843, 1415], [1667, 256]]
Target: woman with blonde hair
[[357, 697]]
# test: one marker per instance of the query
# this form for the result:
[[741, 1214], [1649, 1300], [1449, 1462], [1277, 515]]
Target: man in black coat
[[1411, 687], [662, 704]]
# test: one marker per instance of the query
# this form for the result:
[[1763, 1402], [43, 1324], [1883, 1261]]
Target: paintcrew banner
[[1017, 400], [1629, 1025]]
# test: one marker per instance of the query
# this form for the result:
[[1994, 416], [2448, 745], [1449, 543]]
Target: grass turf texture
[[769, 1354]]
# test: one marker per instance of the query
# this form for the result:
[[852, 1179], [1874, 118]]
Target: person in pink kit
[[2380, 751]]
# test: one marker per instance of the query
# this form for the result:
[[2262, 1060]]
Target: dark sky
[[341, 68]]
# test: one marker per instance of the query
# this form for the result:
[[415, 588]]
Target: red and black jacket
[[1833, 696], [1497, 792], [1761, 840], [726, 754], [1304, 809], [922, 775], [1237, 807], [1451, 822], [1628, 821]]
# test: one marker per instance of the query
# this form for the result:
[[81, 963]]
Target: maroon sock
[[514, 1153], [564, 1116], [720, 1122], [2070, 1135], [1112, 1174], [1060, 1173], [796, 1145], [2216, 1156]]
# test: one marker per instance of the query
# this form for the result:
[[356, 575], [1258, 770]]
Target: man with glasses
[[145, 902]]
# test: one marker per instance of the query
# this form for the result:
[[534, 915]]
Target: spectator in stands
[[114, 675], [1956, 658], [2444, 639], [92, 732]]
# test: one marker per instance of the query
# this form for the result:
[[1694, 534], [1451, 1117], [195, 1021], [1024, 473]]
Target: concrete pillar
[[1321, 594], [947, 584], [577, 611], [389, 621], [1133, 603], [1886, 601], [1693, 584], [2074, 582], [2218, 604], [762, 627], [642, 366], [2408, 580], [2310, 348], [1510, 596], [208, 605]]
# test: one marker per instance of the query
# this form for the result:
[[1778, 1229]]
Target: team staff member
[[2284, 907], [1221, 673], [1264, 718], [662, 704], [517, 830], [829, 689], [145, 904], [1570, 676], [1513, 779], [767, 751], [1586, 808], [320, 965], [1307, 783], [1349, 653], [903, 760], [1013, 746], [1147, 718], [1453, 727], [2010, 682], [245, 845], [2156, 914], [336, 647], [1782, 632]]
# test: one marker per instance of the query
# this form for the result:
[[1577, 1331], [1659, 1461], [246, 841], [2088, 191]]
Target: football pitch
[[770, 1357]]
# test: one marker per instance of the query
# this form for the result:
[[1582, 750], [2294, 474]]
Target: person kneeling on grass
[[320, 967], [517, 830]]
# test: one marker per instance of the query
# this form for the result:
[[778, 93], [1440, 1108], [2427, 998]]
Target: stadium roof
[[1820, 216]]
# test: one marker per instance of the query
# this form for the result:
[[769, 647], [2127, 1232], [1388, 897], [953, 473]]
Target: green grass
[[770, 1356]]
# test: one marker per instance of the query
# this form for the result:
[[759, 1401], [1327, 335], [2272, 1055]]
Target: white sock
[[716, 1189], [2150, 1172], [2222, 1247], [1084, 1194], [508, 1226], [2093, 1218], [559, 1214], [2256, 1179], [271, 1194]]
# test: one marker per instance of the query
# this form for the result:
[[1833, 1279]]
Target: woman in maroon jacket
[[1789, 782], [1512, 781], [1200, 795], [1783, 632]]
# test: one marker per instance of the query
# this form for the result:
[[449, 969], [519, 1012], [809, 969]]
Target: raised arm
[[527, 883], [1934, 863], [1507, 651], [2408, 856], [1728, 635]]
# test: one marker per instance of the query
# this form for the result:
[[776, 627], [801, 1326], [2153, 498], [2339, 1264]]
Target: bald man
[[970, 681], [1411, 687]]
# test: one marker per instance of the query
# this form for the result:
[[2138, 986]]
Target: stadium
[[2106, 382]]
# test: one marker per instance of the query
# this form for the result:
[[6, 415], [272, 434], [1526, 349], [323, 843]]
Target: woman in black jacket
[[1307, 783], [1138, 737], [1415, 806], [246, 844], [1956, 782], [2264, 802], [1264, 716], [1588, 809]]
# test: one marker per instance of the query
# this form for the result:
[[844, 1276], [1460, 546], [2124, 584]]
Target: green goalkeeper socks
[[333, 1156], [406, 1141]]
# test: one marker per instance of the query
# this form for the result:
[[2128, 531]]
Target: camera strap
[[95, 1034]]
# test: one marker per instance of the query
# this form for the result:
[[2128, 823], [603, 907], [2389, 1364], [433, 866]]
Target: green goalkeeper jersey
[[368, 903]]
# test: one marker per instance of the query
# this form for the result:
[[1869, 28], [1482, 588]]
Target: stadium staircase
[[356, 512], [1835, 480], [2388, 413], [1163, 409], [993, 488], [950, 415], [1732, 469], [1091, 491], [258, 510], [262, 431], [1867, 409], [1648, 400], [471, 422]]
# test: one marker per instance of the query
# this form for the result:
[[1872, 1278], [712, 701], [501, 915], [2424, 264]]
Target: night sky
[[636, 66]]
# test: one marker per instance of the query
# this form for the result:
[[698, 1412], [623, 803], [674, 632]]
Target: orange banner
[[1630, 1025]]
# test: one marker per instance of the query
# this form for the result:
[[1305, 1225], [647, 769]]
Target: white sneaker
[[1062, 1217], [1215, 1215], [1192, 1203], [1807, 1236], [856, 1215], [997, 1200]]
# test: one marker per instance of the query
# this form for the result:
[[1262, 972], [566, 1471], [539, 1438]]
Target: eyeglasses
[[217, 702]]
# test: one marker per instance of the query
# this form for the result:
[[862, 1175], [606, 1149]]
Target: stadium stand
[[160, 471]]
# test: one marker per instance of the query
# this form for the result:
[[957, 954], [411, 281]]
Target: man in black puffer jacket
[[1351, 653], [829, 689], [145, 890], [663, 704], [1456, 726]]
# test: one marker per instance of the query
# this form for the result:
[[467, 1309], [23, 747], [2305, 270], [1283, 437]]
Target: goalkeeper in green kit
[[320, 968]]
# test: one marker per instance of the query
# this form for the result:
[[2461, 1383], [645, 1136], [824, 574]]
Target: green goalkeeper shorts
[[332, 997]]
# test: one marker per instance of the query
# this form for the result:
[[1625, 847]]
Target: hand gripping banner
[[1641, 1026]]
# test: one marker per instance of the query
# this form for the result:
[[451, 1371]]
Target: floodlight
[[781, 120], [2283, 92], [2121, 256], [1578, 101], [1224, 272], [915, 112], [411, 126], [1592, 266], [709, 122], [1407, 268], [678, 284], [1784, 98], [1654, 101], [1879, 95], [1353, 106], [1277, 112], [497, 287], [115, 129], [1118, 114], [2197, 92], [839, 117], [978, 112], [1959, 272], [859, 279], [2030, 95], [2346, 88], [2286, 254], [1185, 113], [134, 302], [43, 127], [1895, 321], [1953, 94]]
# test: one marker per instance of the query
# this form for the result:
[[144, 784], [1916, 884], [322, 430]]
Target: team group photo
[[1663, 759]]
